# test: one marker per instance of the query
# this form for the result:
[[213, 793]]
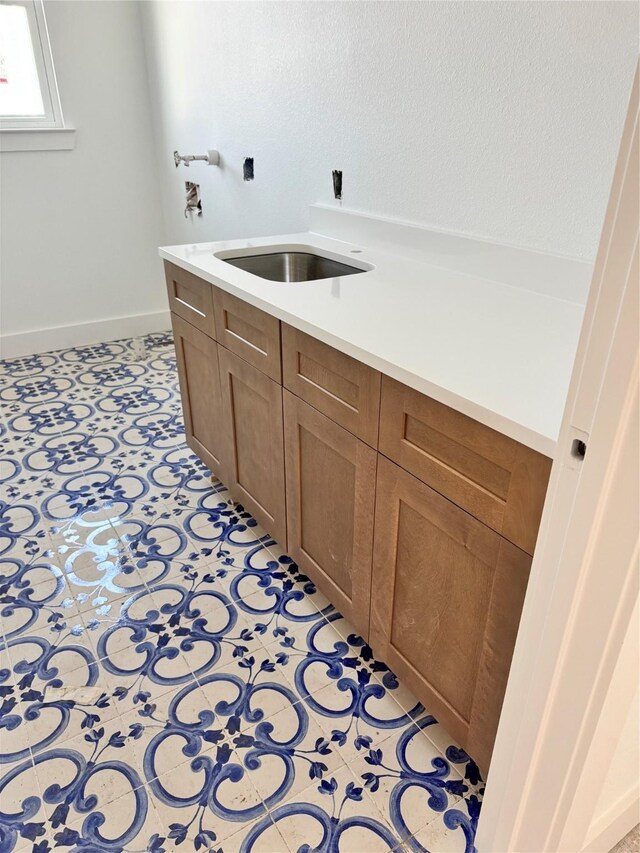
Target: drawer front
[[248, 332], [191, 298], [494, 478], [340, 387]]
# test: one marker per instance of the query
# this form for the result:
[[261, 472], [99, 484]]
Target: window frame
[[52, 118]]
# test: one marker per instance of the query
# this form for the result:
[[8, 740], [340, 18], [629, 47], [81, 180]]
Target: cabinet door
[[330, 506], [447, 595], [197, 357], [253, 421]]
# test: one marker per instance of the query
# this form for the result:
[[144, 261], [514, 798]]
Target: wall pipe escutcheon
[[212, 158]]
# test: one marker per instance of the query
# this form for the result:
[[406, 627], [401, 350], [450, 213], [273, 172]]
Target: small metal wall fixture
[[211, 158]]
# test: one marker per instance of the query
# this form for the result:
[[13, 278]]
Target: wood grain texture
[[198, 373], [503, 618], [457, 593], [446, 591], [254, 431], [421, 565], [248, 332], [330, 507], [496, 479], [191, 298], [340, 387]]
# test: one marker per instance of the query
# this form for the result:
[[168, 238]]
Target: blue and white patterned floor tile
[[169, 679]]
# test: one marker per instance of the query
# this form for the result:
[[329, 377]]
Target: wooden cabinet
[[197, 358], [190, 298], [424, 546], [330, 477], [496, 479], [447, 594], [254, 454], [337, 385], [248, 332]]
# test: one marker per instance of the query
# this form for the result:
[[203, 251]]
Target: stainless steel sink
[[291, 266]]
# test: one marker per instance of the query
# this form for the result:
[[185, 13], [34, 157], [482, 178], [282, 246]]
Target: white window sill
[[38, 139]]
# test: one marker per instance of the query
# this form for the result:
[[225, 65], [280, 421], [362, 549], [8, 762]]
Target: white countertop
[[501, 353]]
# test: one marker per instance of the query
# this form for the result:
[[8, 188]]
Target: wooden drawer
[[446, 599], [248, 332], [331, 482], [191, 298], [496, 479], [340, 387]]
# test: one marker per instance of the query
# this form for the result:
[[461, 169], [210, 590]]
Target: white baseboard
[[80, 334]]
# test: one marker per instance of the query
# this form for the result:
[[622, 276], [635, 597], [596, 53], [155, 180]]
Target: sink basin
[[291, 266]]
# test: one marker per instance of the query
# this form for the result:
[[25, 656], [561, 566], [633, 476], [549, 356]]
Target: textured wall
[[80, 228], [494, 119]]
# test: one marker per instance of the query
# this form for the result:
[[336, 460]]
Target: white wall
[[493, 119], [79, 229]]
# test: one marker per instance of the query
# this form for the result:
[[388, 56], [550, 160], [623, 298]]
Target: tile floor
[[168, 677]]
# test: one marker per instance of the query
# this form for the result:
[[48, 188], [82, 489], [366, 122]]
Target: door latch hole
[[578, 448]]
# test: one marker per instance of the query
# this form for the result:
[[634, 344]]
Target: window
[[29, 97], [28, 92]]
